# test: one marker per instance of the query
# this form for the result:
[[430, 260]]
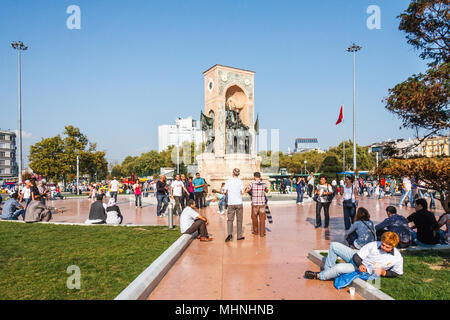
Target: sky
[[134, 65]]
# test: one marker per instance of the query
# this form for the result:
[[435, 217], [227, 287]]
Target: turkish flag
[[341, 115]]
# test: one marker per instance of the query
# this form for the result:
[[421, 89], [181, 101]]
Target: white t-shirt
[[114, 186], [187, 218], [341, 182], [311, 181], [322, 189], [177, 188], [349, 193], [334, 183], [26, 193], [373, 256], [235, 188], [407, 184]]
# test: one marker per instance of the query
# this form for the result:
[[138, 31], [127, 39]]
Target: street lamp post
[[178, 147], [19, 46], [354, 48], [305, 165]]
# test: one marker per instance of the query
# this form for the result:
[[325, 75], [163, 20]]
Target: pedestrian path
[[255, 268]]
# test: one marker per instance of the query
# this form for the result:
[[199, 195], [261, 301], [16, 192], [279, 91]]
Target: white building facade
[[8, 163], [183, 130]]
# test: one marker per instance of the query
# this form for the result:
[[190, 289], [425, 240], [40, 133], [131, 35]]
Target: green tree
[[47, 158], [365, 161]]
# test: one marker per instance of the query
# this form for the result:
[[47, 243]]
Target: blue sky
[[137, 64]]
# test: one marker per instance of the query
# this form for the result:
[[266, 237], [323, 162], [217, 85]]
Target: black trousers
[[199, 200], [310, 190], [184, 200], [326, 208]]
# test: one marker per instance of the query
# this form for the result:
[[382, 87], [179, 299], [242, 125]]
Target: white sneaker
[[222, 212]]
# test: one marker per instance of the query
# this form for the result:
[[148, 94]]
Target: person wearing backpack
[[350, 201], [323, 197], [362, 231]]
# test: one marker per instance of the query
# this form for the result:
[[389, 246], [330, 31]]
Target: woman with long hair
[[362, 231]]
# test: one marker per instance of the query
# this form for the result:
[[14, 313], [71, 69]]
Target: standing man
[[43, 190], [258, 189], [185, 192], [145, 189], [311, 181], [198, 184], [234, 189], [177, 189], [162, 195], [114, 188]]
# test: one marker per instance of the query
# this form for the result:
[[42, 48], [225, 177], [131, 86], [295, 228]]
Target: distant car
[[105, 189]]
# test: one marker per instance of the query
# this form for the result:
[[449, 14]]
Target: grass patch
[[34, 258], [426, 276]]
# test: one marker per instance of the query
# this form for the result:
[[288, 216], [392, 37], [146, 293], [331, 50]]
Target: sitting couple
[[101, 213], [35, 212], [378, 257]]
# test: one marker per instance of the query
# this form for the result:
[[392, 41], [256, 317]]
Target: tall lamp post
[[305, 165], [178, 146], [354, 48], [19, 46]]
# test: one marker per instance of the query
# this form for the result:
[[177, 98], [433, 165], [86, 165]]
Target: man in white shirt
[[114, 188], [192, 221], [234, 188], [311, 181], [379, 258], [177, 187], [408, 193]]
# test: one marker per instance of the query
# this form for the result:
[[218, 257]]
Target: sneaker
[[311, 275], [241, 238], [229, 238]]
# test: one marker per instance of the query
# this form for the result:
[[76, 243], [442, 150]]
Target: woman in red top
[[191, 189], [137, 193]]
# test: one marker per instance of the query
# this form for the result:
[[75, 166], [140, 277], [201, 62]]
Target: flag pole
[[343, 145]]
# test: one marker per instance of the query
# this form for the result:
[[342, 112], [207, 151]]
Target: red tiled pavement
[[255, 268]]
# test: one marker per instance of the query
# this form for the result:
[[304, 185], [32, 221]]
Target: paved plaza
[[254, 268]]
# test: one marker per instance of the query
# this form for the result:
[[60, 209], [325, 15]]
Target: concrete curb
[[363, 288], [147, 281]]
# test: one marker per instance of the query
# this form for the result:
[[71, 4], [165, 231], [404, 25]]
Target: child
[[221, 197]]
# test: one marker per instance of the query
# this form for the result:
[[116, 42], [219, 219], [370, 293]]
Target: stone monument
[[229, 126]]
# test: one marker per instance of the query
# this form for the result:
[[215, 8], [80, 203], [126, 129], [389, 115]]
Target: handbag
[[349, 202]]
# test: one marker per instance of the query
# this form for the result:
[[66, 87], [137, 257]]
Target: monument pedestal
[[216, 170]]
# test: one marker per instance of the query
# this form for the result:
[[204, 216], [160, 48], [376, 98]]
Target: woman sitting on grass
[[362, 231], [114, 216]]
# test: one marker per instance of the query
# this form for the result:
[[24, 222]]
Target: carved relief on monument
[[228, 78]]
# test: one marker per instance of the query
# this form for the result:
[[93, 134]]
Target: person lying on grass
[[192, 221], [378, 257]]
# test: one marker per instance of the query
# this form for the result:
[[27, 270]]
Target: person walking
[[114, 188], [198, 184], [407, 186], [234, 189], [162, 196], [145, 186], [177, 188], [299, 187], [191, 189], [349, 201], [137, 194], [323, 192], [311, 181], [257, 190]]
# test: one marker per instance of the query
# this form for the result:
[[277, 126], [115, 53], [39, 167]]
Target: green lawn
[[426, 276], [34, 258]]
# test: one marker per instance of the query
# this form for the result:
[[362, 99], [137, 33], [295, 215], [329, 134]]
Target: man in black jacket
[[162, 190], [425, 222], [380, 258]]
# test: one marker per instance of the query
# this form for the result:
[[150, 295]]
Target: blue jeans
[[15, 215], [410, 196], [331, 268], [162, 198], [221, 203], [432, 195], [299, 195], [418, 243]]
